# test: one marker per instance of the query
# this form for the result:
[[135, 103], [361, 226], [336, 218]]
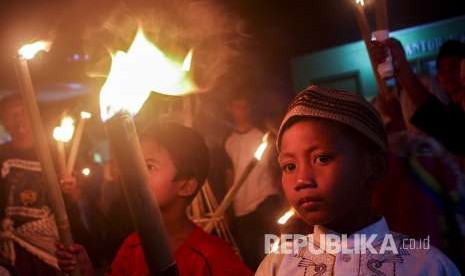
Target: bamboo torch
[[382, 21], [133, 75], [385, 69], [362, 21], [229, 197], [76, 141], [41, 142], [364, 28]]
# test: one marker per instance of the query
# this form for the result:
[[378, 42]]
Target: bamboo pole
[[364, 29], [52, 185], [142, 204], [75, 145]]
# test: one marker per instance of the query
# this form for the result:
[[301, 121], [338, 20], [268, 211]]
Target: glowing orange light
[[86, 171], [284, 218], [65, 131], [139, 71], [30, 50], [85, 115], [261, 149]]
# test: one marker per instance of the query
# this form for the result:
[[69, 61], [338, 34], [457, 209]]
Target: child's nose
[[305, 179], [305, 184]]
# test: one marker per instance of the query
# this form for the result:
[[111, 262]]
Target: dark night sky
[[278, 30]]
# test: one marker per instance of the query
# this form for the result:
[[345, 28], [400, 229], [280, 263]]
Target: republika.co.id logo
[[334, 244]]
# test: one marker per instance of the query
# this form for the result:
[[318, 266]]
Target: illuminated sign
[[429, 46]]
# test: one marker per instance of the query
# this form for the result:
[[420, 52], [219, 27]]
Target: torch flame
[[85, 115], [360, 2], [284, 218], [137, 72], [30, 50], [186, 65], [86, 171], [65, 131], [261, 149]]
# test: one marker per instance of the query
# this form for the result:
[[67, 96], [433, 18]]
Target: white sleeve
[[270, 265]]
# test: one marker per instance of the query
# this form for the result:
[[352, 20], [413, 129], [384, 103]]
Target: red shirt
[[200, 254]]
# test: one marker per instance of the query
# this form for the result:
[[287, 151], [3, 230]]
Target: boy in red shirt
[[177, 159]]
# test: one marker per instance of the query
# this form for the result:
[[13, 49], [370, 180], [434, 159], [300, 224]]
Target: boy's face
[[15, 120], [162, 173], [240, 110], [449, 77], [324, 173]]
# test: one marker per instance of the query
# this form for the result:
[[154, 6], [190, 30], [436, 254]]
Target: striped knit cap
[[343, 107]]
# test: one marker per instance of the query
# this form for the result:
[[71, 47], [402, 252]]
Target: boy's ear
[[187, 187]]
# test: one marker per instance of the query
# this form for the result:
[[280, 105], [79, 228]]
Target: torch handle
[[382, 21], [142, 204], [364, 28], [61, 158], [75, 146], [229, 197], [43, 151]]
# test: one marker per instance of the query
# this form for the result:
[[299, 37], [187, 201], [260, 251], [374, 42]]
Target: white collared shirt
[[405, 260]]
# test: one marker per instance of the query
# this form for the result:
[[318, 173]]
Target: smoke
[[175, 26]]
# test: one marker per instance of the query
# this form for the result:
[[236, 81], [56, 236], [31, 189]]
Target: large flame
[[28, 51], [137, 72], [65, 131]]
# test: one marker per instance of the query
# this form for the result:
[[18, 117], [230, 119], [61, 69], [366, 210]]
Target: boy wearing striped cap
[[331, 148]]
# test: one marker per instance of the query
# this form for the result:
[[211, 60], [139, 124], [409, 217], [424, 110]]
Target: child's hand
[[70, 258], [379, 51]]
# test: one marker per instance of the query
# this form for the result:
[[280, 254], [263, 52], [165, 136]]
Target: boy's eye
[[151, 167], [323, 159], [289, 167]]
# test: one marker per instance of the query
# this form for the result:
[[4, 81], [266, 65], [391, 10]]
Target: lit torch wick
[[261, 149], [186, 65], [63, 134], [30, 50], [285, 218]]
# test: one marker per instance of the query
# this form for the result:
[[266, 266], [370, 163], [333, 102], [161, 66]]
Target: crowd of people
[[394, 166]]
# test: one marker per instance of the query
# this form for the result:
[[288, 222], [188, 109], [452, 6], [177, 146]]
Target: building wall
[[348, 66]]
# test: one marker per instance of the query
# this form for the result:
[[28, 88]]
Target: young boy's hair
[[349, 111], [186, 148]]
